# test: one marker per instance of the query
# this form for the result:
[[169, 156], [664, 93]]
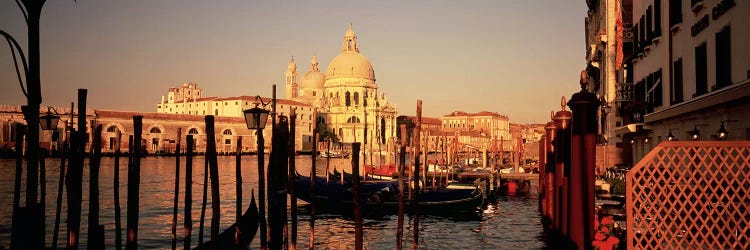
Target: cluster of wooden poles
[[28, 228]]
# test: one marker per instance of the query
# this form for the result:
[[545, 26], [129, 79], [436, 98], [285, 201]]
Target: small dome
[[312, 80]]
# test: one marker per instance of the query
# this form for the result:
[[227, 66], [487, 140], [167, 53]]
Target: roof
[[247, 98], [480, 113], [162, 116]]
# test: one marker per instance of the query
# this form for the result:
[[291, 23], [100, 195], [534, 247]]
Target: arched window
[[353, 119], [347, 98], [216, 112], [227, 132], [193, 131], [341, 132], [356, 98], [155, 130], [112, 129], [382, 130]]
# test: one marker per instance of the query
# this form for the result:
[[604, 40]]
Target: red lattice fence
[[690, 195]]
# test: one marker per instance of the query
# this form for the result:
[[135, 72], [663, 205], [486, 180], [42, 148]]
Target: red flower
[[613, 240], [608, 220], [604, 230], [599, 236]]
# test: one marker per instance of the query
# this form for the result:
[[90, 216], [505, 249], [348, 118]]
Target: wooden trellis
[[690, 195]]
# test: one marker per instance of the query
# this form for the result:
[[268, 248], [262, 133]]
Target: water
[[510, 223]]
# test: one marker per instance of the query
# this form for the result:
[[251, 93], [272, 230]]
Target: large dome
[[350, 64]]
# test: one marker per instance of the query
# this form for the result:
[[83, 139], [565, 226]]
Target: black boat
[[382, 197], [249, 223]]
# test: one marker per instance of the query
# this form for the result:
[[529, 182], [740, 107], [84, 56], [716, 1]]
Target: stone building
[[609, 43], [490, 124], [346, 98], [691, 71]]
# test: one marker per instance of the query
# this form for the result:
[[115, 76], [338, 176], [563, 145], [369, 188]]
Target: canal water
[[510, 223]]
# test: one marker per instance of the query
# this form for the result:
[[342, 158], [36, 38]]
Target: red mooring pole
[[584, 106], [562, 166]]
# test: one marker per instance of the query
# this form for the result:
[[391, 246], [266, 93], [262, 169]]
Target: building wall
[[704, 112]]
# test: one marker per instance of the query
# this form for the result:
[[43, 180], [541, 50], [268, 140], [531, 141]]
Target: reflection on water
[[511, 223]]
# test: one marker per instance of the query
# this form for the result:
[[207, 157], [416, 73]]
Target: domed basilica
[[346, 97]]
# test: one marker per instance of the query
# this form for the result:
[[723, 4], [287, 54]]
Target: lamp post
[[256, 119]]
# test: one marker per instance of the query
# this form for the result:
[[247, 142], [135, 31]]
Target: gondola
[[249, 223], [382, 196]]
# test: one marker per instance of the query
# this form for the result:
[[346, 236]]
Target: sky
[[514, 57]]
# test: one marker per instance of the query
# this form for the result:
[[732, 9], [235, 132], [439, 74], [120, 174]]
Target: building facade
[[609, 43], [691, 71], [346, 97]]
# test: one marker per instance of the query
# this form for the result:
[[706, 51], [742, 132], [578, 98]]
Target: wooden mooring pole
[[292, 174], [61, 182], [213, 167], [20, 128], [175, 204], [134, 183], [358, 240], [188, 218], [313, 169], [584, 106], [277, 179], [204, 201], [414, 203], [95, 230], [74, 182], [401, 183], [116, 188], [238, 190]]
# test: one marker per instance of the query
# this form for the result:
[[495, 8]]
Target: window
[[155, 130], [701, 76], [112, 129], [677, 81], [353, 119], [723, 58], [347, 99], [193, 131], [356, 98], [314, 93], [227, 132], [649, 25], [654, 90], [657, 18], [228, 141], [216, 112], [675, 12]]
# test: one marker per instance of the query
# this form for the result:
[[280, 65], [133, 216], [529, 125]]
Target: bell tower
[[290, 78]]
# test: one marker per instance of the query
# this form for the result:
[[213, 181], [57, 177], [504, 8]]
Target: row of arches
[[158, 130]]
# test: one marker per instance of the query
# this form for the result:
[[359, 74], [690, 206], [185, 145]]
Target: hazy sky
[[516, 57]]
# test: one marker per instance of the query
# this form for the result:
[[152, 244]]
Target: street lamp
[[723, 133], [256, 119], [49, 121], [670, 136]]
